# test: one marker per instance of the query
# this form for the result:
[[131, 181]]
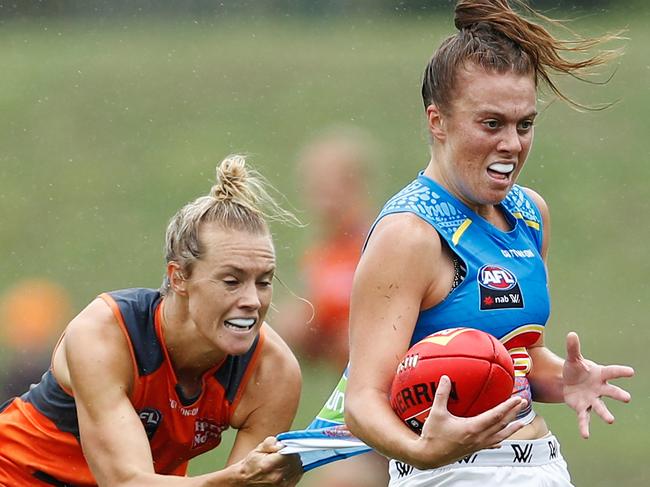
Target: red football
[[479, 366]]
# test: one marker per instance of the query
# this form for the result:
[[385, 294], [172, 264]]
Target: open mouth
[[240, 324], [501, 170]]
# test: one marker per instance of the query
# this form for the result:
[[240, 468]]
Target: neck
[[437, 171], [188, 350]]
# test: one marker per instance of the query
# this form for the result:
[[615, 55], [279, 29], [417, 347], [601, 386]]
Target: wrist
[[231, 476], [419, 454]]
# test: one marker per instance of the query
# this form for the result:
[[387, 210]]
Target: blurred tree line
[[311, 8]]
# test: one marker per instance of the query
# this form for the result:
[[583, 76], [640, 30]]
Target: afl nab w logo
[[499, 288], [496, 277]]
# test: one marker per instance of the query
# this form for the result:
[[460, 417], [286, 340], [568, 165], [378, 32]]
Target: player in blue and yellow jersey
[[143, 380], [463, 245]]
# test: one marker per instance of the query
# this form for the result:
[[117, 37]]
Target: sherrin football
[[479, 366]]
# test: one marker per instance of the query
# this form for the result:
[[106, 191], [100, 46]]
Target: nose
[[250, 298], [510, 141]]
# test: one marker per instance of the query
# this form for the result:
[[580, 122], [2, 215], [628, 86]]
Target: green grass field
[[108, 127]]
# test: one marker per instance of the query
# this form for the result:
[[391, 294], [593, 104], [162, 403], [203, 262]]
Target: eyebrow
[[238, 270], [486, 113]]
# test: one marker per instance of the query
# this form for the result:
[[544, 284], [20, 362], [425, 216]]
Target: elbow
[[123, 479], [352, 413]]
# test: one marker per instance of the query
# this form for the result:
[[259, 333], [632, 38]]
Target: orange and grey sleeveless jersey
[[39, 431]]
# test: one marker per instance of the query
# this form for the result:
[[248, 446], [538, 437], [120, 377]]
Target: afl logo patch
[[496, 277], [499, 288], [151, 419]]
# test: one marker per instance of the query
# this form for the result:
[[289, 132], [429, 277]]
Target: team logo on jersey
[[340, 431], [151, 419], [499, 288], [207, 432], [496, 277]]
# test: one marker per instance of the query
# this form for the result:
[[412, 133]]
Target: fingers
[[503, 413], [584, 417], [506, 432], [615, 392], [439, 406], [601, 410], [442, 395], [499, 422], [573, 347], [270, 445], [616, 372]]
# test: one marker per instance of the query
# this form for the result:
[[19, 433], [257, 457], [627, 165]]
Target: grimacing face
[[230, 287], [488, 134]]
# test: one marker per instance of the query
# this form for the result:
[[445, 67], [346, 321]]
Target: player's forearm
[[370, 418], [546, 376], [228, 477]]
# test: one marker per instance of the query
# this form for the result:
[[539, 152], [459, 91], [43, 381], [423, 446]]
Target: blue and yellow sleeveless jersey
[[505, 288], [504, 292]]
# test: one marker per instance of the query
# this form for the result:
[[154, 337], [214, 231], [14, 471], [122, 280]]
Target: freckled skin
[[490, 120]]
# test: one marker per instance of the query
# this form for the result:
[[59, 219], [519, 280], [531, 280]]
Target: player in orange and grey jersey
[[143, 380]]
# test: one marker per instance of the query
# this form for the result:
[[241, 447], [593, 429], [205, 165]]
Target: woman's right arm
[[99, 370], [395, 279]]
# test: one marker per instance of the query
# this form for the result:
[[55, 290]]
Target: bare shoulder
[[93, 341], [277, 362], [405, 234]]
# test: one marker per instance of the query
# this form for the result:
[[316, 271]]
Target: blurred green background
[[110, 124]]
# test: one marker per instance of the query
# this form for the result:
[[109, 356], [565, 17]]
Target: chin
[[496, 196], [238, 345]]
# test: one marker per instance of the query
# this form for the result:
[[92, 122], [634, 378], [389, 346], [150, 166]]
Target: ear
[[436, 123], [177, 278]]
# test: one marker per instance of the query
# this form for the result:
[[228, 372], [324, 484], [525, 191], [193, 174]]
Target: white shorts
[[530, 463]]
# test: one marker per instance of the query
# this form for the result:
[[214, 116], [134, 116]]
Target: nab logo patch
[[499, 288]]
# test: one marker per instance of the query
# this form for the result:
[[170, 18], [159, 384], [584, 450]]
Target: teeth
[[241, 322], [502, 168]]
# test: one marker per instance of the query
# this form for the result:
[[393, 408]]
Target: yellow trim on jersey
[[523, 365], [444, 339], [530, 223], [460, 230], [520, 330]]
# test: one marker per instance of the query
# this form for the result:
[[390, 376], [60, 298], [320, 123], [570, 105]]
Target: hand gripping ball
[[479, 366]]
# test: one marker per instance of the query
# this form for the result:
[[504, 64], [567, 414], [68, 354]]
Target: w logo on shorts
[[468, 459], [522, 454], [552, 447], [403, 469]]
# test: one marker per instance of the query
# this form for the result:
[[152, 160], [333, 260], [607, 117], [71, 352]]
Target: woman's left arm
[[576, 381]]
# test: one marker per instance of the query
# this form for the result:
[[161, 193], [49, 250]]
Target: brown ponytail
[[492, 35]]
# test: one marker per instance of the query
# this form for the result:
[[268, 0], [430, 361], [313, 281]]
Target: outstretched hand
[[585, 382], [446, 438]]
